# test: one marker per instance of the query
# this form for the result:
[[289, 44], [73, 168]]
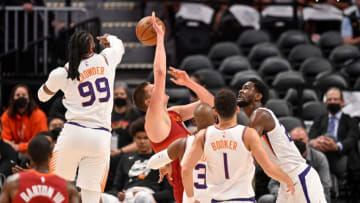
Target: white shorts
[[308, 188], [200, 196], [86, 148]]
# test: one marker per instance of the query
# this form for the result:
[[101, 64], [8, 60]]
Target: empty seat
[[311, 67], [272, 66], [357, 85], [242, 118], [329, 40], [313, 109], [169, 83], [262, 51], [178, 95], [233, 64], [280, 107], [286, 80], [325, 80], [193, 63], [212, 78], [241, 78], [344, 54], [302, 52], [290, 122], [222, 50], [250, 38], [290, 39], [293, 97], [352, 70]]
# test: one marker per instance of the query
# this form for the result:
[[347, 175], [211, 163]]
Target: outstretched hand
[[103, 40], [163, 171], [157, 27], [180, 76]]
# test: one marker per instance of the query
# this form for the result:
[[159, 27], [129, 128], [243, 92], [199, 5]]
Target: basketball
[[145, 31]]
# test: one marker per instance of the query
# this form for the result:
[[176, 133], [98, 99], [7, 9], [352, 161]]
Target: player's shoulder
[[13, 178], [59, 72]]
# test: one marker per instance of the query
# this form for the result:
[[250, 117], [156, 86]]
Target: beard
[[243, 103]]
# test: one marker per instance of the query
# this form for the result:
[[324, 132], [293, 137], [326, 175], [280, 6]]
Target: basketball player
[[87, 82], [279, 146], [163, 126], [229, 149], [38, 184], [204, 117]]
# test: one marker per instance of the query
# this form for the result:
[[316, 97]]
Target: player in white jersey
[[229, 149], [203, 117], [87, 83], [279, 146]]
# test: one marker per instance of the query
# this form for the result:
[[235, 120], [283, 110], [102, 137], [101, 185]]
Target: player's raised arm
[[114, 49], [196, 151], [253, 143], [182, 78], [173, 152]]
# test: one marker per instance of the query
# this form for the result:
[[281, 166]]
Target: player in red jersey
[[38, 184], [163, 126]]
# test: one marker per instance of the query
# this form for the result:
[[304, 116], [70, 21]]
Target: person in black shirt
[[133, 179]]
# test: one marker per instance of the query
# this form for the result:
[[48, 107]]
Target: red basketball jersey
[[35, 187], [177, 131]]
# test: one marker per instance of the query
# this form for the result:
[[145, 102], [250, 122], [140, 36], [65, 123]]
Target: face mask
[[55, 133], [333, 108], [20, 103], [120, 102]]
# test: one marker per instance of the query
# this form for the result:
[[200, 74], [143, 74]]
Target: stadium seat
[[262, 51], [242, 118], [280, 107], [328, 41], [233, 64], [272, 66], [290, 122], [311, 67], [250, 38], [344, 54], [324, 81], [289, 79], [290, 39], [302, 52], [241, 78], [357, 85], [222, 50], [312, 109], [195, 62], [273, 94], [307, 95], [212, 78], [178, 96], [352, 70], [169, 83]]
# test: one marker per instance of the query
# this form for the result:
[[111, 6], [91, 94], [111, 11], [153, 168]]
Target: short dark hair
[[140, 96], [261, 88], [137, 126], [54, 116], [336, 89], [225, 103], [39, 149]]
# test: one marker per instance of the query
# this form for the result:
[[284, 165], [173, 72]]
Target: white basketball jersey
[[89, 101], [280, 147], [199, 174], [230, 166]]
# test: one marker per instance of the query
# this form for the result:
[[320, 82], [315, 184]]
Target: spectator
[[123, 115], [133, 177], [23, 119], [8, 157], [350, 27], [56, 121], [313, 157], [335, 133]]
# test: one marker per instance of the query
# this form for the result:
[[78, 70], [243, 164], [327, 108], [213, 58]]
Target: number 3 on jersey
[[86, 89]]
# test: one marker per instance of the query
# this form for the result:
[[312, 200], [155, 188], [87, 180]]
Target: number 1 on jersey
[[226, 168]]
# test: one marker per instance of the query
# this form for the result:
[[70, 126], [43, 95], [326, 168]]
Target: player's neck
[[42, 168], [251, 108], [226, 123]]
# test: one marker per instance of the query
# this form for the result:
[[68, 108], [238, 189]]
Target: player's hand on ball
[[180, 76], [157, 27]]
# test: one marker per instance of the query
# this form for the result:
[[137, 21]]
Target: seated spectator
[[336, 133], [350, 29], [133, 178], [8, 157], [56, 121], [122, 116], [23, 119], [313, 157]]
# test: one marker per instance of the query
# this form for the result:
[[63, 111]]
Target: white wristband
[[159, 160], [191, 199]]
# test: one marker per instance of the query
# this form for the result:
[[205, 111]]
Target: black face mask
[[20, 103], [120, 102], [55, 133], [301, 146], [333, 108]]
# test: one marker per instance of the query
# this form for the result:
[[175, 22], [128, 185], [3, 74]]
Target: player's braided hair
[[79, 47]]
